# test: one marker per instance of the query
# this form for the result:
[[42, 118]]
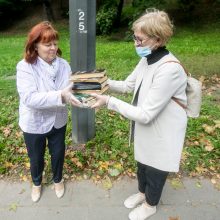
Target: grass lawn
[[108, 154]]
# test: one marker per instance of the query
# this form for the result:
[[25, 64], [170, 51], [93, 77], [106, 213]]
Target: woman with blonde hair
[[158, 119]]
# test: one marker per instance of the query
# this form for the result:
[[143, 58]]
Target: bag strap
[[174, 61], [187, 73]]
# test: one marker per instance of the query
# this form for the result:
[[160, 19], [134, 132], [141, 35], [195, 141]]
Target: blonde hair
[[155, 24]]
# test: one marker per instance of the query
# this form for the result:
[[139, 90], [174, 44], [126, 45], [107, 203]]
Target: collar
[[156, 55], [46, 63]]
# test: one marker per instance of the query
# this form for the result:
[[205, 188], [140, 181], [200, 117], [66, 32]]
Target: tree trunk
[[119, 11], [48, 10]]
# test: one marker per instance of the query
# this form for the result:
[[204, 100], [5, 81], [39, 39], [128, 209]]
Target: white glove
[[100, 100], [68, 97]]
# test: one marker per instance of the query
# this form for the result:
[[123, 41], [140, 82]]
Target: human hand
[[68, 97], [100, 100]]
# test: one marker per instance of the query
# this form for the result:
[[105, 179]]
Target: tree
[[48, 10]]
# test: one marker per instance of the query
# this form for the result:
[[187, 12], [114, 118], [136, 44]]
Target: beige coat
[[160, 123]]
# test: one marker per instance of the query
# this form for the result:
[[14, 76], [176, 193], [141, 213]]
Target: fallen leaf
[[201, 170], [209, 147], [22, 191], [27, 165], [217, 123], [18, 134], [113, 172], [213, 181], [8, 164], [6, 131], [65, 176], [174, 218], [24, 178], [207, 144], [13, 207], [176, 183], [77, 162], [198, 184], [106, 183], [103, 165], [209, 129]]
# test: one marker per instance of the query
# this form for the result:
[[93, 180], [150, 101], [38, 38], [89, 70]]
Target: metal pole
[[82, 15]]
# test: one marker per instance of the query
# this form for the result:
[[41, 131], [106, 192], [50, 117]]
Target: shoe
[[35, 193], [133, 200], [142, 212], [59, 189]]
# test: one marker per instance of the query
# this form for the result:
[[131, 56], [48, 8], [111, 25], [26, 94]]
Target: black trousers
[[151, 182], [36, 145]]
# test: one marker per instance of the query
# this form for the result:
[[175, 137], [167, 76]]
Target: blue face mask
[[143, 51]]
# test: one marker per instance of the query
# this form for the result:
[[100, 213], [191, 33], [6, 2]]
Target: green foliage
[[9, 9], [105, 19]]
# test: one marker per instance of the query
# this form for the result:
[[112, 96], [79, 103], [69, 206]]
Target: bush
[[105, 19], [9, 10]]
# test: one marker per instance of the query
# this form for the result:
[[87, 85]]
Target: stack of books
[[86, 83]]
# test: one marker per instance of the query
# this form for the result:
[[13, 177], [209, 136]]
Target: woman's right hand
[[68, 97], [100, 100]]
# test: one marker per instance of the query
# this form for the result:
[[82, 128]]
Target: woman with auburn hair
[[158, 118], [44, 90]]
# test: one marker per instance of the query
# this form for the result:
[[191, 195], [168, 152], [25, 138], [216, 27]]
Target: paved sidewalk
[[83, 200]]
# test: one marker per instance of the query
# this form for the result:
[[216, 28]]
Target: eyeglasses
[[138, 40]]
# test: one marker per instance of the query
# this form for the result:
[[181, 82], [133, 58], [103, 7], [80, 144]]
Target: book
[[87, 75], [89, 82], [86, 100], [98, 91], [89, 85], [92, 79]]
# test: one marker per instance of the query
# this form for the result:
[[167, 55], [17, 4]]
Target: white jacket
[[160, 123], [41, 105]]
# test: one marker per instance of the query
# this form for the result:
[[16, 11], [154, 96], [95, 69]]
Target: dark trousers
[[151, 182], [36, 145]]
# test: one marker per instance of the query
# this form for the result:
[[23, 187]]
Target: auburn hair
[[42, 32]]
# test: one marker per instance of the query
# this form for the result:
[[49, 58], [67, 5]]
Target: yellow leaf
[[77, 162], [24, 178], [208, 129], [207, 144], [196, 143], [13, 207], [6, 131], [113, 172], [176, 183], [18, 134], [118, 166], [65, 176], [103, 165], [27, 165], [8, 164], [213, 181], [202, 79], [106, 183], [209, 147], [217, 123], [174, 218], [198, 184], [201, 170]]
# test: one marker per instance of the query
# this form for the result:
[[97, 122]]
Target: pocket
[[37, 118]]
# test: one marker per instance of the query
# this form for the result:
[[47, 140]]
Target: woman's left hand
[[100, 100], [74, 101]]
